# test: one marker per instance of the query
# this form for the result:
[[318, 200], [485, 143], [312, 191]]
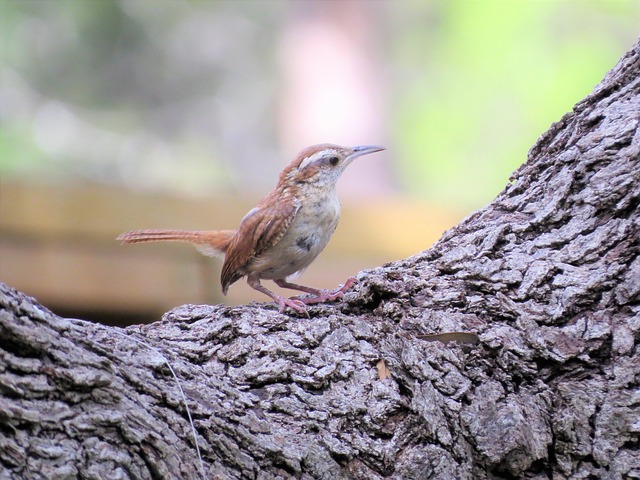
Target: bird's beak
[[363, 150]]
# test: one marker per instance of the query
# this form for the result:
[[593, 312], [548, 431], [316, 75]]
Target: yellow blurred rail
[[57, 243]]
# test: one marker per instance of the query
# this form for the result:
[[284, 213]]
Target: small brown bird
[[284, 233]]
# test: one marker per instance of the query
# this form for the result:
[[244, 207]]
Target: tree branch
[[548, 276]]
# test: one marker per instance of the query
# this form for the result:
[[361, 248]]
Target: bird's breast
[[308, 234]]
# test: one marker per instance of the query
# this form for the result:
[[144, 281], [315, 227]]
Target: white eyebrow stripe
[[315, 157], [306, 162]]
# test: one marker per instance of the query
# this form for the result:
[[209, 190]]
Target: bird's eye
[[334, 160]]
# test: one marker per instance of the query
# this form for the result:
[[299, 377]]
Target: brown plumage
[[209, 242], [284, 233]]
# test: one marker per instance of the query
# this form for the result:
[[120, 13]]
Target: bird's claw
[[292, 303], [329, 295], [299, 304]]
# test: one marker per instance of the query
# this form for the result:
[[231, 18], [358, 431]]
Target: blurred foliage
[[483, 79], [182, 95], [169, 95]]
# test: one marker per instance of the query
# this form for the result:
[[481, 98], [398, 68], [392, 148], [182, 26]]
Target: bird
[[284, 233]]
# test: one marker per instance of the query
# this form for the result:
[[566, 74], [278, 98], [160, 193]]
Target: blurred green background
[[116, 115], [188, 96]]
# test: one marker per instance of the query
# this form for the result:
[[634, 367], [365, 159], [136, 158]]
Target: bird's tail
[[209, 242]]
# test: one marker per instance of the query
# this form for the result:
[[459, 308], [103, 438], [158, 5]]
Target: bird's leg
[[282, 302], [319, 295]]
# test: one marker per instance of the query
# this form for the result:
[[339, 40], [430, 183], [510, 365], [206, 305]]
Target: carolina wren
[[284, 233]]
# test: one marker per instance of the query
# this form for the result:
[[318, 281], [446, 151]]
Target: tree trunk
[[547, 275]]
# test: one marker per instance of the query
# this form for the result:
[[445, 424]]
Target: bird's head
[[323, 164]]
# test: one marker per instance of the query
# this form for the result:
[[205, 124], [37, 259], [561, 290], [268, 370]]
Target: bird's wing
[[260, 229]]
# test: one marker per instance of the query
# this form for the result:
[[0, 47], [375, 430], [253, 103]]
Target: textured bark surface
[[548, 276]]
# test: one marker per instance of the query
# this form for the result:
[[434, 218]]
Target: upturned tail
[[209, 242]]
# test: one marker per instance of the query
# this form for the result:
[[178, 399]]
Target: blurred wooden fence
[[57, 243]]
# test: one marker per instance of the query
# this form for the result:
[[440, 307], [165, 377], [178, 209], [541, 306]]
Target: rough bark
[[548, 276]]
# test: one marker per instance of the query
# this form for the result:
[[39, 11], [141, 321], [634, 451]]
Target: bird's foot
[[292, 303], [328, 295]]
